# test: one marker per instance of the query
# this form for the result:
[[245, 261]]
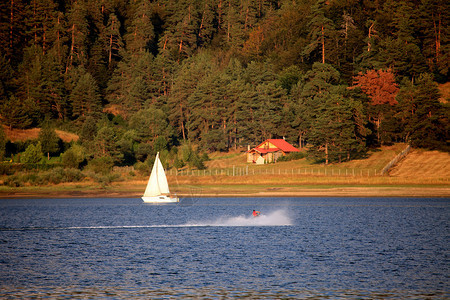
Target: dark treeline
[[132, 77]]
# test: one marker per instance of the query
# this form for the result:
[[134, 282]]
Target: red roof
[[262, 150], [280, 145], [283, 145]]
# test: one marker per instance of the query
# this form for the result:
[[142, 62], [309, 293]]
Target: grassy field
[[15, 135], [423, 164], [421, 174]]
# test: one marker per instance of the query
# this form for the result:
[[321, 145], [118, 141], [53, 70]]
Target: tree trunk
[[11, 26], [437, 36], [182, 124], [323, 46]]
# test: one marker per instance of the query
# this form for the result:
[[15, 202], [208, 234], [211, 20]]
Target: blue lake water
[[349, 248]]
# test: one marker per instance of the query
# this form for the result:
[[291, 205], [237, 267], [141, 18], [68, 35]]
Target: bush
[[54, 176], [32, 155], [13, 181], [73, 157], [178, 163], [142, 168], [6, 169], [105, 179], [292, 156], [101, 165]]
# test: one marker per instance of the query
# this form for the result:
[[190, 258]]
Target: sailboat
[[157, 190]]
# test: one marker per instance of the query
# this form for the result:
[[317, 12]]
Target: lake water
[[348, 248]]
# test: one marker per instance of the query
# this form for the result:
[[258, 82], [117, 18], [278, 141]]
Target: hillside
[[444, 89], [15, 135], [376, 160], [425, 164], [419, 163]]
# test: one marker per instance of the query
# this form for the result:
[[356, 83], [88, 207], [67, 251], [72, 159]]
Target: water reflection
[[75, 292], [365, 248]]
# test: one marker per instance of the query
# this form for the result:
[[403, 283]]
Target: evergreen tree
[[49, 140], [3, 141], [191, 74], [207, 30], [74, 156], [106, 144], [331, 119], [32, 155], [57, 37], [6, 76], [113, 38], [40, 21], [149, 124], [423, 116], [135, 81], [141, 30], [13, 29], [79, 31], [17, 113], [434, 31], [85, 98], [320, 29]]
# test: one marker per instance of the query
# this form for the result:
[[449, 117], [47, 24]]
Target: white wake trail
[[275, 218]]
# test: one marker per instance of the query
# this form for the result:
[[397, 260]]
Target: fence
[[246, 171], [395, 160]]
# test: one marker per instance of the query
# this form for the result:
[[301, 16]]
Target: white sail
[[157, 189]]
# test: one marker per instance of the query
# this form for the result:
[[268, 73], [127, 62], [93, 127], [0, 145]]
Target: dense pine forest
[[132, 77]]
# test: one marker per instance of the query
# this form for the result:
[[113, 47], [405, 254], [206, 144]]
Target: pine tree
[[191, 74], [79, 31], [32, 155], [179, 39], [3, 141], [42, 14], [434, 31], [6, 77], [320, 29], [85, 98], [207, 30], [49, 139], [114, 39], [106, 144], [17, 113], [13, 29], [141, 30], [422, 114]]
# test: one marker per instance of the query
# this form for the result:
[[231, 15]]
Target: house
[[269, 151]]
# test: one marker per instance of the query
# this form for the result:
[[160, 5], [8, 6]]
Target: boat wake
[[275, 218]]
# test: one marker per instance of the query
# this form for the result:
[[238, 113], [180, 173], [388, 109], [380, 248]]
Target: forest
[[133, 77]]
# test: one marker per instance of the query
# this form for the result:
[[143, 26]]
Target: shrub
[[13, 181], [102, 164], [73, 157], [32, 155], [6, 169], [178, 163], [292, 156], [142, 168], [105, 179], [53, 176]]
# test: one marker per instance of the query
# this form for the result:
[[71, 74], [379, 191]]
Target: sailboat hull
[[160, 199]]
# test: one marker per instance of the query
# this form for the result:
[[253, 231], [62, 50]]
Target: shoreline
[[233, 192]]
